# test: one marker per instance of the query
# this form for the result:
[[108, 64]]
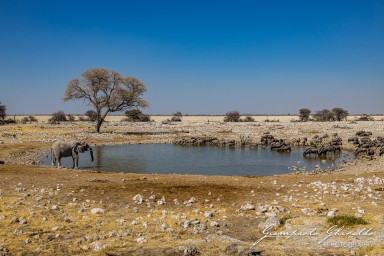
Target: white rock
[[247, 207], [270, 214], [214, 224], [139, 199], [96, 246], [141, 240], [97, 211], [208, 214], [163, 226]]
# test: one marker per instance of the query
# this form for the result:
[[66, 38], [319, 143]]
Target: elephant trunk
[[91, 152]]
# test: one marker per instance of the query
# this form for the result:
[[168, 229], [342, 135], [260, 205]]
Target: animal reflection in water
[[69, 149]]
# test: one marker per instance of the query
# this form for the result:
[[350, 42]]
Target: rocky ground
[[47, 211]]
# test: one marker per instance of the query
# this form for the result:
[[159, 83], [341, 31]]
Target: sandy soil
[[48, 211]]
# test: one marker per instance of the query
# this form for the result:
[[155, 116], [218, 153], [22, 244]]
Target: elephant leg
[[75, 162], [58, 162]]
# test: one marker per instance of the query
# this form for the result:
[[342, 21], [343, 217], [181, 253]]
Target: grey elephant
[[69, 149]]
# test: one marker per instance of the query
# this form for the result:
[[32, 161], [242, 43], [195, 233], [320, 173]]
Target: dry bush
[[232, 116]]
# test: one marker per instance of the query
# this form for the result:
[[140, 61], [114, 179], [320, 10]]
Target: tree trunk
[[98, 124]]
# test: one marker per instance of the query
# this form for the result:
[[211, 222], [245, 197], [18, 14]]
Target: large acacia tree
[[107, 91]]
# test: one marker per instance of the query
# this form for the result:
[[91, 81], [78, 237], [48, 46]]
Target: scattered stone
[[208, 214], [3, 250], [199, 228], [186, 224], [139, 199], [141, 240], [247, 207], [96, 246], [332, 213], [23, 222], [163, 227], [50, 237], [170, 230], [231, 249], [97, 211], [214, 224], [195, 222], [270, 214], [124, 232], [15, 220], [270, 222], [55, 207], [250, 252], [85, 247], [189, 250], [262, 208]]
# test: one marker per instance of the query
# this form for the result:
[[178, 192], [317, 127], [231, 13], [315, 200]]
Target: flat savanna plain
[[49, 211]]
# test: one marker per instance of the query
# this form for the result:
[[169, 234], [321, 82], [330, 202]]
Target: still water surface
[[169, 158]]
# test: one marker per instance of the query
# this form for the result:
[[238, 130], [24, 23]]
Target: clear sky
[[197, 57]]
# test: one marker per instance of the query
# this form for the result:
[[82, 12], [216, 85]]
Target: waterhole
[[169, 158]]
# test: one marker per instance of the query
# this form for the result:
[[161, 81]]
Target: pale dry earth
[[49, 211]]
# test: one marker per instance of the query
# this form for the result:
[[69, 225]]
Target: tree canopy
[[232, 116], [107, 91], [304, 114], [3, 110], [340, 113]]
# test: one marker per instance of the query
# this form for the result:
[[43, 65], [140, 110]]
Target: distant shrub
[[91, 114], [135, 115], [176, 117], [3, 110], [365, 117], [10, 121], [71, 117], [304, 114], [57, 117], [232, 116], [28, 119], [271, 120], [81, 118]]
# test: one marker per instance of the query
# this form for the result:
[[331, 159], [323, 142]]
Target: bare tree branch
[[107, 91]]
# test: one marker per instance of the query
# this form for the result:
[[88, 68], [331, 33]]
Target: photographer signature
[[333, 231]]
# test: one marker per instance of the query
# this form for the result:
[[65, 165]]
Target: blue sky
[[197, 57]]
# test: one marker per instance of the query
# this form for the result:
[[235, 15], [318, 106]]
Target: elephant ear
[[80, 149], [77, 147]]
